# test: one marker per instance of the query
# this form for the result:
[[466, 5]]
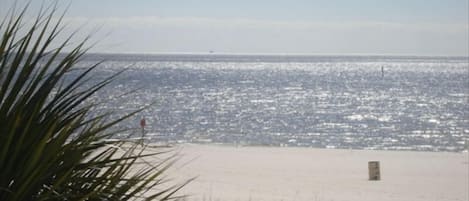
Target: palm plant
[[51, 147]]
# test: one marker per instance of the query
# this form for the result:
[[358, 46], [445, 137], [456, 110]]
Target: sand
[[228, 173]]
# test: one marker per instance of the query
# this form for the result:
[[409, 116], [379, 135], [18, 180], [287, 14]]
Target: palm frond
[[50, 146]]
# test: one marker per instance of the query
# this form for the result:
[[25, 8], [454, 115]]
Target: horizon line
[[272, 54]]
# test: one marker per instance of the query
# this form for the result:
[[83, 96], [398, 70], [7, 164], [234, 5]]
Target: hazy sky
[[403, 27]]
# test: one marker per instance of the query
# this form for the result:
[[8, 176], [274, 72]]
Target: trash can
[[373, 171]]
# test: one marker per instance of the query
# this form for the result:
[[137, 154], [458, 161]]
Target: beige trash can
[[373, 171]]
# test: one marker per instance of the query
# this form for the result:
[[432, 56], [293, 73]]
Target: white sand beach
[[228, 173]]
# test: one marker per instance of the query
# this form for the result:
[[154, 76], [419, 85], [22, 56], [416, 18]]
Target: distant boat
[[211, 51]]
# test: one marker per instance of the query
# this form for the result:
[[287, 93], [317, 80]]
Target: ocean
[[346, 102]]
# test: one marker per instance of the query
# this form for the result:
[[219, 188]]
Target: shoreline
[[300, 147]]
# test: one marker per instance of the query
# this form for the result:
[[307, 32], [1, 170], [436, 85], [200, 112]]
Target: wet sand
[[228, 173]]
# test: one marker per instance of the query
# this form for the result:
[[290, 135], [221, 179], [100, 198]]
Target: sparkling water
[[362, 102]]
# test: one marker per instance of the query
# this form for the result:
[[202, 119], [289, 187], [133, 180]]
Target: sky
[[343, 27]]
